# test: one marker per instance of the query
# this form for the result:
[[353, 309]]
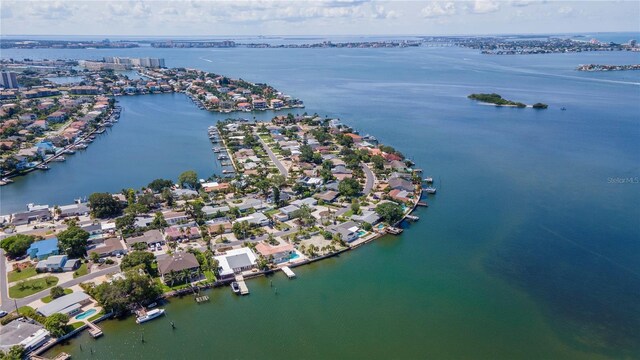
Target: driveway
[[368, 186], [273, 158]]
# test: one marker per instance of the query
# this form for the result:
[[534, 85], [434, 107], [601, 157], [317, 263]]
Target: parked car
[[3, 313]]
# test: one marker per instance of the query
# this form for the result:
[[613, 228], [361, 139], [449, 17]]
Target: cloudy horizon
[[314, 18]]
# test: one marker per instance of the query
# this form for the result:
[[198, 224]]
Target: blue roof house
[[45, 147], [43, 249]]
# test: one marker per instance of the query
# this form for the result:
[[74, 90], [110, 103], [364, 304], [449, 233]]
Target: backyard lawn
[[21, 275], [30, 287]]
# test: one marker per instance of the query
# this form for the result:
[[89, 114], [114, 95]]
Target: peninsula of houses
[[42, 121], [302, 188]]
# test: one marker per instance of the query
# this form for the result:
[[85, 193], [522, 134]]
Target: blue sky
[[333, 17]]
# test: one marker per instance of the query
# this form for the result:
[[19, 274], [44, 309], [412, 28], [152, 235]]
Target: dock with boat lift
[[412, 217], [287, 271], [94, 330], [244, 290]]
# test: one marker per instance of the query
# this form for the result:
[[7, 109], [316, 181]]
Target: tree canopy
[[188, 178], [122, 294], [56, 324], [390, 212], [349, 187], [103, 205], [136, 258], [17, 245], [73, 241], [158, 185]]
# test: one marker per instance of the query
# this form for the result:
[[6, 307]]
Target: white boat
[[428, 180], [235, 287], [150, 315], [430, 190]]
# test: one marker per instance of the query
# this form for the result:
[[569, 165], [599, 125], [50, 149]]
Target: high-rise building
[[9, 80]]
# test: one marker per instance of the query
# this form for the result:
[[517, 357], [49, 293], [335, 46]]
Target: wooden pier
[[412, 217], [244, 290], [422, 203], [61, 356], [201, 299], [394, 230], [94, 330], [290, 274]]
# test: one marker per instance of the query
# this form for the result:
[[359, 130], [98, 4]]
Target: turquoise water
[[361, 233], [294, 256], [529, 249], [86, 314]]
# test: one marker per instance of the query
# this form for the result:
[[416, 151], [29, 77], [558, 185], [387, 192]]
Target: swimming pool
[[294, 256], [86, 314], [361, 233]]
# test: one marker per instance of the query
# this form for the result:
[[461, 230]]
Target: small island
[[498, 100]]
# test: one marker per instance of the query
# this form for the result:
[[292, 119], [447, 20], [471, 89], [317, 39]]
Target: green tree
[[137, 258], [56, 324], [95, 257], [17, 245], [158, 221], [240, 229], [16, 352], [378, 162], [390, 212], [349, 188], [56, 292], [188, 178], [167, 196], [103, 205], [158, 185], [355, 206], [121, 294], [136, 209], [126, 223], [73, 241]]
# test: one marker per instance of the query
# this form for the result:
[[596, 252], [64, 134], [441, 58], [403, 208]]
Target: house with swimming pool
[[69, 304], [276, 254]]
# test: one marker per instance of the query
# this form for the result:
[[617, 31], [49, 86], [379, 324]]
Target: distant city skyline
[[334, 17]]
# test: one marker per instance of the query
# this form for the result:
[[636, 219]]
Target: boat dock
[[94, 330], [61, 356], [394, 230], [244, 290], [201, 299], [422, 203], [412, 217], [290, 274]]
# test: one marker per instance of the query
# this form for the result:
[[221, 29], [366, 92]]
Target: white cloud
[[484, 6], [438, 9], [565, 10]]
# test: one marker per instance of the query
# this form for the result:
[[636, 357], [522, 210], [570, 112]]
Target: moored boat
[[235, 287], [430, 190], [150, 315]]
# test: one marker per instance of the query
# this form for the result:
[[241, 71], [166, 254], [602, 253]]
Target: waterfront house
[[179, 262], [235, 261], [277, 254], [259, 104], [69, 304], [27, 217], [400, 195], [347, 231], [78, 209], [23, 332], [398, 183], [43, 249]]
